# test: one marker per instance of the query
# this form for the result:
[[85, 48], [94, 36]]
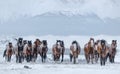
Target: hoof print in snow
[[27, 67]]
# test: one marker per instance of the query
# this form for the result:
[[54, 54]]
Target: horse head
[[29, 43], [75, 45], [38, 42], [91, 42], [24, 42], [20, 40], [114, 44], [10, 45], [58, 44]]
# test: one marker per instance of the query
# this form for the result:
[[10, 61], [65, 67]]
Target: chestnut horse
[[89, 50], [8, 52], [58, 50], [74, 51], [36, 49], [112, 52]]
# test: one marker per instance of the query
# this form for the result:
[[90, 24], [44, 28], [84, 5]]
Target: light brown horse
[[96, 53], [58, 50], [112, 52], [74, 51], [89, 50], [9, 52]]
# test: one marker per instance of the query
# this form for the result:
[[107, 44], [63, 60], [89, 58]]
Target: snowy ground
[[60, 68]]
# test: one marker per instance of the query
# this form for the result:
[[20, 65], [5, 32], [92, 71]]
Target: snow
[[51, 67]]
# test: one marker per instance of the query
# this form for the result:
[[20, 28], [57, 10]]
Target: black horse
[[20, 57]]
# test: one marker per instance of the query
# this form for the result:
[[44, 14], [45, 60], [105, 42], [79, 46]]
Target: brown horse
[[58, 49], [9, 52], [96, 53], [36, 49], [89, 50], [112, 52], [74, 51], [103, 52], [28, 51]]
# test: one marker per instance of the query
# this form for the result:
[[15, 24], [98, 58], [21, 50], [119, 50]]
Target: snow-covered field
[[51, 67]]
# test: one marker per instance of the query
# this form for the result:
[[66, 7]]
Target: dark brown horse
[[103, 52], [89, 50], [28, 51], [36, 49], [43, 51], [58, 50], [74, 51], [112, 52], [8, 52]]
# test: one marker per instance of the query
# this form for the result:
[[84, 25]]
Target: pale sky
[[17, 15]]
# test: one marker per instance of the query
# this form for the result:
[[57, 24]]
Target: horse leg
[[104, 60], [4, 54], [31, 57], [42, 56], [54, 57], [19, 57], [114, 59], [36, 57], [62, 57], [101, 60], [27, 58], [74, 61], [16, 58], [111, 57], [8, 58], [88, 58], [92, 56], [71, 56]]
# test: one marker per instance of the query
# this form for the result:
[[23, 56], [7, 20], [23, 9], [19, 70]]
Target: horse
[[103, 52], [112, 52], [74, 51], [8, 52], [36, 49], [58, 50], [43, 51], [19, 50], [89, 50], [96, 53], [28, 51]]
